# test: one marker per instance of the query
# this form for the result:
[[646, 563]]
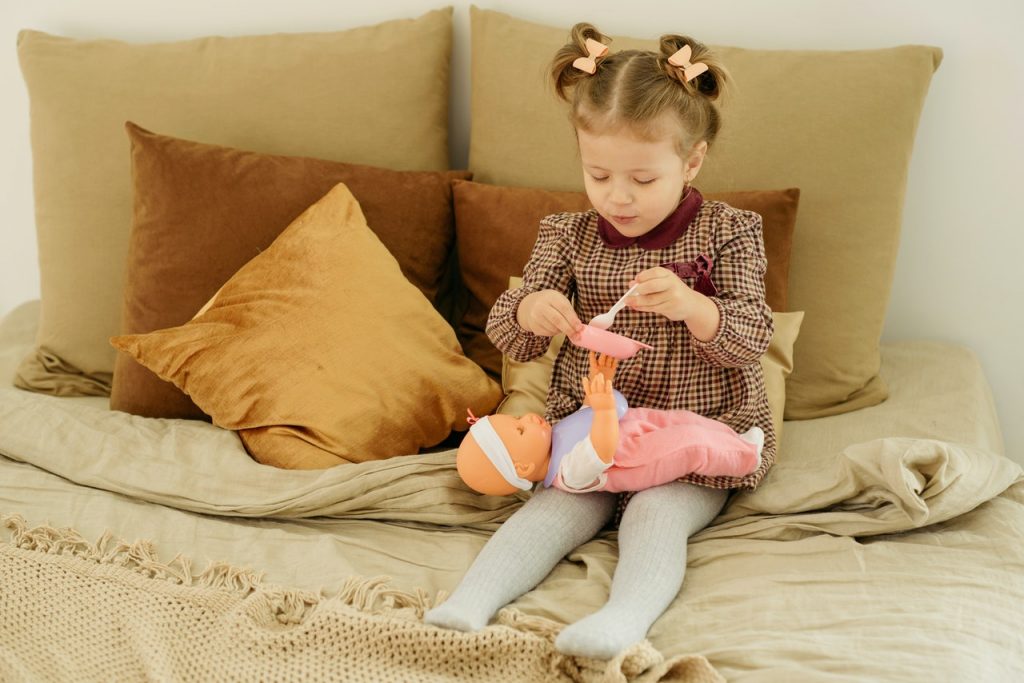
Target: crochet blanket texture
[[111, 610]]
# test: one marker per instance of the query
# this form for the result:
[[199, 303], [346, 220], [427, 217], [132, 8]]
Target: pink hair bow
[[589, 63], [682, 59]]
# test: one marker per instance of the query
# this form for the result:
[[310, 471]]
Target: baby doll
[[604, 446]]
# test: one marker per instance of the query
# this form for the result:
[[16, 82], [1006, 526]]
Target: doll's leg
[[521, 553], [652, 561]]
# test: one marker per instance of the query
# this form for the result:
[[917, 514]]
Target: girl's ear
[[696, 159]]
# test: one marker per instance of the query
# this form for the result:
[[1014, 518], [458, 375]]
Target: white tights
[[653, 534]]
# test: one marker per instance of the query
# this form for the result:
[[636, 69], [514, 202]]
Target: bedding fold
[[195, 466], [876, 487]]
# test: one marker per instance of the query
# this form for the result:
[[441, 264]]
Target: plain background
[[961, 263]]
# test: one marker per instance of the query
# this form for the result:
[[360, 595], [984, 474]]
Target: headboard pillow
[[202, 211], [331, 95], [839, 125]]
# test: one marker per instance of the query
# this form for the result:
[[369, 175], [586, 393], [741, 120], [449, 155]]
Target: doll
[[604, 446]]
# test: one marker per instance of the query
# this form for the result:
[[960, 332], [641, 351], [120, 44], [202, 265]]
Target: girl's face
[[634, 183]]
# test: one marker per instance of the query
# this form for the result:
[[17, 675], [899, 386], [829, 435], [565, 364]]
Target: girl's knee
[[698, 501], [554, 500]]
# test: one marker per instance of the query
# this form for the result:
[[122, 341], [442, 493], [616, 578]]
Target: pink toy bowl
[[608, 343]]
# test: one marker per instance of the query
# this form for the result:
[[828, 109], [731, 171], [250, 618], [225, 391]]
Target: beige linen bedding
[[885, 557]]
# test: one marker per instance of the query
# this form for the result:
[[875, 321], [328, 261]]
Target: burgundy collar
[[663, 234]]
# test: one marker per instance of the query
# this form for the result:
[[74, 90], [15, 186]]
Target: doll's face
[[528, 440]]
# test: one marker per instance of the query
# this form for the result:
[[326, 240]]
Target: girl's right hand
[[547, 313]]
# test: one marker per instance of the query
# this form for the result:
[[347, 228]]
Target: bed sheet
[[870, 558]]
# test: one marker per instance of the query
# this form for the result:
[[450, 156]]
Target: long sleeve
[[745, 328], [549, 267]]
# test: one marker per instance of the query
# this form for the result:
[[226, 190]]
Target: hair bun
[[564, 75], [708, 83]]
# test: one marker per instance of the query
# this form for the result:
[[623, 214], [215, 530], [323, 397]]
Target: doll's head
[[644, 121], [503, 454]]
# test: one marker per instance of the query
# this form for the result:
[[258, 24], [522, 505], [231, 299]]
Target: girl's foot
[[602, 635]]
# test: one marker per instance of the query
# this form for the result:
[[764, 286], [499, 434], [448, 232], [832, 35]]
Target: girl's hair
[[635, 87]]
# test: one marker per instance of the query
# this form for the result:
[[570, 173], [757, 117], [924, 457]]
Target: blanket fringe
[[139, 556], [370, 595]]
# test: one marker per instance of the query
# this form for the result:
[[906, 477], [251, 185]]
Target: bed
[[885, 544]]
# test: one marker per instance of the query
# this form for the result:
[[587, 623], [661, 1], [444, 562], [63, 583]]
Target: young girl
[[644, 122]]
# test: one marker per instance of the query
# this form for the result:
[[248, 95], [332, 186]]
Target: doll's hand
[[661, 291], [601, 364], [598, 392], [547, 313]]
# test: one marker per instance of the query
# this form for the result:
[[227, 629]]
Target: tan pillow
[[497, 226], [319, 351], [337, 96], [777, 363], [202, 211], [526, 384], [838, 125]]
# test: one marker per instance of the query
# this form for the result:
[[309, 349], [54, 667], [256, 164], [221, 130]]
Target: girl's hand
[[662, 292], [547, 313]]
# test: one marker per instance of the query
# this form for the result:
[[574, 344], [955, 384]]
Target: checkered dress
[[720, 379]]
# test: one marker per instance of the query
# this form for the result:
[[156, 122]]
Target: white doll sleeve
[[582, 470]]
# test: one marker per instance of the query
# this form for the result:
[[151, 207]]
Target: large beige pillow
[[526, 384], [838, 125], [338, 96], [319, 351]]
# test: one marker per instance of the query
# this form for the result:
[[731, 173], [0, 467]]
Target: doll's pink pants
[[659, 446]]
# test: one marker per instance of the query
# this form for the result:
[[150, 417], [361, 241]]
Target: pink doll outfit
[[659, 446]]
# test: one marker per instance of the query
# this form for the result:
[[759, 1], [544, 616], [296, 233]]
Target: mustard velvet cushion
[[319, 351], [838, 125], [526, 384], [202, 211], [334, 95]]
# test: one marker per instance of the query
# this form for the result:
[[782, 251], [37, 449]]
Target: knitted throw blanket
[[110, 610]]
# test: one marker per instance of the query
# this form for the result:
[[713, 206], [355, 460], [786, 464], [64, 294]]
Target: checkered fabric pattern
[[720, 378]]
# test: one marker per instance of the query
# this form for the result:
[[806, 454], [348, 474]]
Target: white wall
[[961, 265]]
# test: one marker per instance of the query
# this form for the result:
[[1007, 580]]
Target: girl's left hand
[[662, 292]]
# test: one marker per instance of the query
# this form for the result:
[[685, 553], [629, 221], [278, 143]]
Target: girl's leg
[[652, 561], [521, 553]]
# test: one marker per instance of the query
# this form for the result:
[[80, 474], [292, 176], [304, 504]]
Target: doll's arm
[[582, 469], [604, 430]]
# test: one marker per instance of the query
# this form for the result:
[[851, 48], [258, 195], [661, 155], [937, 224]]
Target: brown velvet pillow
[[496, 227], [202, 211]]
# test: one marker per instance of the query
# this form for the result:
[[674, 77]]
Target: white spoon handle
[[622, 302], [605, 320]]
